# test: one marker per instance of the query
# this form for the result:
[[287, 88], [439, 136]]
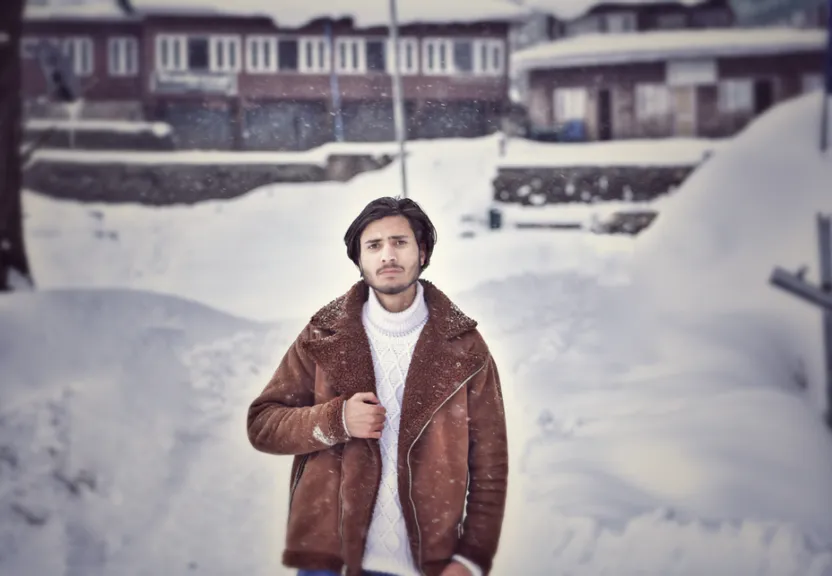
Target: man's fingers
[[366, 397]]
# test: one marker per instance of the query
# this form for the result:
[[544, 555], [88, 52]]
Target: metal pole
[[825, 254], [334, 87], [398, 103], [827, 82]]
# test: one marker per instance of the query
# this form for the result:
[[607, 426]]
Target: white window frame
[[176, 44], [652, 101], [437, 44], [79, 43], [404, 42], [355, 55], [570, 103], [735, 95], [117, 62], [220, 50], [320, 52], [261, 44], [489, 46]]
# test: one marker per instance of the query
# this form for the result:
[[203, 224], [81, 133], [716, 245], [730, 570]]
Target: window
[[287, 54], [652, 101], [376, 57], [224, 53], [198, 54], [585, 25], [736, 95], [463, 56], [570, 104], [436, 54], [621, 22], [314, 55], [408, 56], [490, 57], [170, 53], [712, 18], [261, 54], [123, 56], [672, 21], [350, 56], [812, 82], [79, 53]]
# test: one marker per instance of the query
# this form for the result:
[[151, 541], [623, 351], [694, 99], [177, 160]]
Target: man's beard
[[392, 290]]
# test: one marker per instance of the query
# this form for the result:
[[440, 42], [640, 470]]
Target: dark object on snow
[[625, 222], [495, 219]]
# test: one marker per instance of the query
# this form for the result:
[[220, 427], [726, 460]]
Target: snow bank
[[521, 153], [750, 208], [110, 403], [157, 128], [659, 46], [365, 13], [317, 156]]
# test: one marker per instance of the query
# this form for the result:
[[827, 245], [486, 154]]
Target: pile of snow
[[663, 45], [365, 13], [75, 10], [641, 442], [316, 156], [522, 153], [750, 208], [159, 129]]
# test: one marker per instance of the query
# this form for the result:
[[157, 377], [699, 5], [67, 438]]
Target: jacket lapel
[[438, 368]]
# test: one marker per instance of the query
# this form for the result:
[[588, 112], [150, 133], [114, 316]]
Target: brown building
[[230, 81], [707, 83]]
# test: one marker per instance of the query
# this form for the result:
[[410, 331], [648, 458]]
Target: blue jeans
[[331, 573]]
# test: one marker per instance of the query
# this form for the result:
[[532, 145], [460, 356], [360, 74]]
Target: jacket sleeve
[[284, 418], [487, 468]]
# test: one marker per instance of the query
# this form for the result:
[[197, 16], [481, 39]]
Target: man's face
[[390, 260]]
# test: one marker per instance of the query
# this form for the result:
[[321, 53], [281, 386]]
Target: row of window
[[267, 54], [122, 53], [653, 101]]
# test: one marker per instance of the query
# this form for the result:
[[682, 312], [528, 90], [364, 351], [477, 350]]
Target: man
[[390, 403]]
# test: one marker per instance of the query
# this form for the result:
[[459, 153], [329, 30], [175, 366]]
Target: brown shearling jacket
[[453, 454]]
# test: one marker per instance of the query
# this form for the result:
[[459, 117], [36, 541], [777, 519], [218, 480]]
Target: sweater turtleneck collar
[[397, 323]]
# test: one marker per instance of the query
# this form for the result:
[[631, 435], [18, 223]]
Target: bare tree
[[13, 261]]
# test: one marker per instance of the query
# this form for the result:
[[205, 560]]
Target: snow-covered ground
[[644, 440]]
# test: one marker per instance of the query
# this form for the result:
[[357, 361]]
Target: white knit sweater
[[393, 337]]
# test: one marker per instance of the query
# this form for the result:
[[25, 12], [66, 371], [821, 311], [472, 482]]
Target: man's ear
[[422, 256]]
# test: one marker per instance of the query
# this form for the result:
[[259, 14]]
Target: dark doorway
[[763, 95], [604, 115]]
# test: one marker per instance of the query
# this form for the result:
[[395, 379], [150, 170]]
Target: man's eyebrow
[[394, 237]]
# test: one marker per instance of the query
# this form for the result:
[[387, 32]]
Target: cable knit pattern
[[393, 337]]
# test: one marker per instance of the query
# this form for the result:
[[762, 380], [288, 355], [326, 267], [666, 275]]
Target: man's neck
[[397, 302]]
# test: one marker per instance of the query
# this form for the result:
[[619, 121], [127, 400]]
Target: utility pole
[[398, 94]]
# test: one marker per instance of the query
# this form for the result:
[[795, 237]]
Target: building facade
[[707, 83], [243, 82]]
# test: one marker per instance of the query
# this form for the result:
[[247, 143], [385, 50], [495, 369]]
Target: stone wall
[[165, 184], [538, 186]]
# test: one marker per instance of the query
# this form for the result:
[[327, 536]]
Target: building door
[[604, 115], [763, 95], [684, 111]]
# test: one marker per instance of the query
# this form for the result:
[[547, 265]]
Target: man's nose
[[388, 254]]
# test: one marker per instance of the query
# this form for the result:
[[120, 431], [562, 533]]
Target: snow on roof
[[86, 10], [599, 49], [571, 9], [365, 13]]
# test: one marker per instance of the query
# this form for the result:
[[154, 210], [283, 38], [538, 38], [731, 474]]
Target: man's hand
[[456, 569], [364, 416]]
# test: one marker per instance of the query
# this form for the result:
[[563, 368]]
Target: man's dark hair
[[380, 208]]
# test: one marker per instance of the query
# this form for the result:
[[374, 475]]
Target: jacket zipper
[[410, 471]]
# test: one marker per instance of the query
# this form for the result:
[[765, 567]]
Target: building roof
[[365, 13], [601, 49], [571, 9], [82, 10]]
